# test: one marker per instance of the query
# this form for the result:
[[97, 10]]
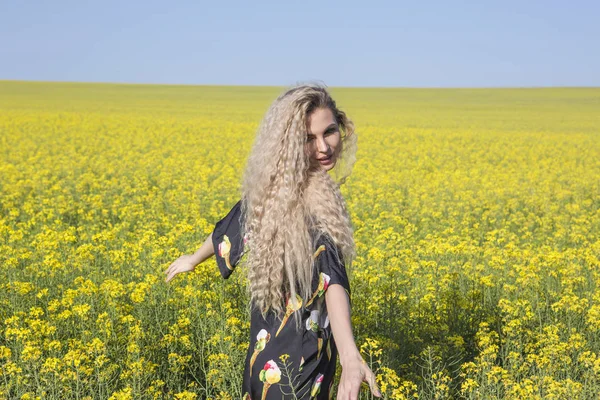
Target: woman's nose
[[322, 146]]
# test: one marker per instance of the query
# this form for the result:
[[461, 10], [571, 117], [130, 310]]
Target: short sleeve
[[330, 261], [227, 240]]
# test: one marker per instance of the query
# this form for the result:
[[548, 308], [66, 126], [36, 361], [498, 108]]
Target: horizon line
[[281, 86]]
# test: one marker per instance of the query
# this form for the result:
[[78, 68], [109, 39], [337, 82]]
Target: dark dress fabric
[[308, 369]]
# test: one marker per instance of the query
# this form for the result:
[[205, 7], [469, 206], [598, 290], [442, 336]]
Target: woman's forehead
[[320, 120]]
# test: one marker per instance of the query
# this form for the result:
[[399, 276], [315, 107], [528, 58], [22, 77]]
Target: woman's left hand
[[354, 373]]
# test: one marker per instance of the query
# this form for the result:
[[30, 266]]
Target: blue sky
[[374, 43]]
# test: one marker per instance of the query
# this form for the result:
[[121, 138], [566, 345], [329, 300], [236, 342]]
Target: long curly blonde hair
[[285, 201]]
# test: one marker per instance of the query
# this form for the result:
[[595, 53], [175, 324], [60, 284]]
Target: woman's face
[[323, 141]]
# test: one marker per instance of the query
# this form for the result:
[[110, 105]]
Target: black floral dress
[[283, 362]]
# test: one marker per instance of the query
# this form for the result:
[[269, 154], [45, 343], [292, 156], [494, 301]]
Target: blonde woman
[[292, 230]]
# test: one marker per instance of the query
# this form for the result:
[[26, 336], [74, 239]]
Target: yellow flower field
[[476, 215]]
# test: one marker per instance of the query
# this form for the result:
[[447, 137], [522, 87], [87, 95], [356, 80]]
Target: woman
[[293, 230]]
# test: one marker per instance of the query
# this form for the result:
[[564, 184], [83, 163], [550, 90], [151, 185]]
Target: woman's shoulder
[[330, 262], [320, 238]]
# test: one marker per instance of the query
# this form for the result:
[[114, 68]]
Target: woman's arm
[[205, 251], [188, 262], [338, 309], [354, 369]]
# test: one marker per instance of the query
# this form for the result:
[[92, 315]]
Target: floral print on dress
[[262, 339], [303, 345], [224, 250], [319, 346], [316, 322], [319, 251], [269, 375], [323, 285], [316, 387], [312, 322], [289, 310]]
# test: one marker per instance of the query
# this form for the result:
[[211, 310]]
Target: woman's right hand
[[182, 264]]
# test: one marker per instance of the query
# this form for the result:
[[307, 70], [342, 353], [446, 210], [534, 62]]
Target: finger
[[373, 384], [354, 390], [171, 275], [338, 395], [175, 270], [342, 394]]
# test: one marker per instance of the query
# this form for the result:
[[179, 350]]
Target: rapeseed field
[[476, 215]]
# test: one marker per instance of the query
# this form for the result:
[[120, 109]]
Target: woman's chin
[[328, 167], [319, 166]]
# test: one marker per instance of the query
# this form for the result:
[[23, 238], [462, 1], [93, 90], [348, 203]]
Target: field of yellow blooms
[[476, 215]]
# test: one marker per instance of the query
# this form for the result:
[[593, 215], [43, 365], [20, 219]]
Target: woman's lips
[[325, 161]]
